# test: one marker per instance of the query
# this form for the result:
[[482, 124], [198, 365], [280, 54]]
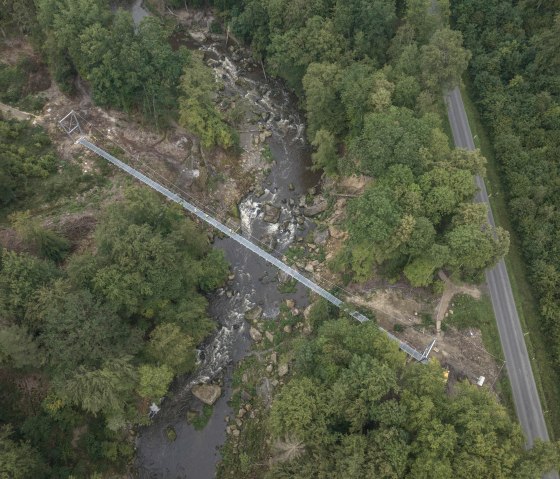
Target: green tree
[[444, 60], [154, 381], [367, 25], [391, 137], [173, 348], [299, 412], [47, 243], [214, 270], [140, 271], [17, 348], [356, 85], [426, 17], [78, 330], [325, 157], [367, 414], [21, 275], [103, 391], [473, 248], [197, 109], [321, 84], [19, 460], [292, 52], [421, 269]]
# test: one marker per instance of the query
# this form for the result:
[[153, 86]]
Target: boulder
[[336, 233], [274, 358], [264, 391], [290, 303], [254, 314], [283, 370], [269, 336], [287, 329], [207, 393], [319, 205], [282, 276], [271, 213], [256, 335], [321, 236]]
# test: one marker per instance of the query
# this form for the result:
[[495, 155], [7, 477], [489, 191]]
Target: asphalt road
[[525, 395]]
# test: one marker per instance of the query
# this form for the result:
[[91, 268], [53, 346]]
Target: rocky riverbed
[[276, 213]]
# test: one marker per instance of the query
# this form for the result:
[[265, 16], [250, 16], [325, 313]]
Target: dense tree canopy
[[197, 109], [99, 335], [357, 410], [371, 75], [515, 77]]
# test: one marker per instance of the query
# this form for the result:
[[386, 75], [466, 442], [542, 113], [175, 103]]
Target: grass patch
[[294, 253], [200, 420], [267, 154], [170, 434], [287, 287], [546, 377]]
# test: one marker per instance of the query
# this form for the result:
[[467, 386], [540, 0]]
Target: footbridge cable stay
[[82, 140]]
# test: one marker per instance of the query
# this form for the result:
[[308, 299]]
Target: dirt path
[[15, 113], [449, 291]]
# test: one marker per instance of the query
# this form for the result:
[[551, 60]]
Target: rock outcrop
[[207, 393]]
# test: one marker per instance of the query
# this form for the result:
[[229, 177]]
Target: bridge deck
[[244, 241]]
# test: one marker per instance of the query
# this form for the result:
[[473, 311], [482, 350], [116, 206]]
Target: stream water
[[194, 454]]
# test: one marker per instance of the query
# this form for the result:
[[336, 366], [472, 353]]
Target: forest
[[90, 337], [353, 408], [92, 332], [370, 76], [515, 80]]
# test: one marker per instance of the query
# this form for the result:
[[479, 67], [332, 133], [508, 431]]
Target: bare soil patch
[[462, 352]]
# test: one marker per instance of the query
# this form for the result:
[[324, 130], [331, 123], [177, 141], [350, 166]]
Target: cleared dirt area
[[462, 352]]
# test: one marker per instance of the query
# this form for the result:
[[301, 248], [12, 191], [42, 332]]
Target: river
[[194, 454]]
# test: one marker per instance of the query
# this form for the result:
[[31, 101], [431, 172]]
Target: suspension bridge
[[71, 125]]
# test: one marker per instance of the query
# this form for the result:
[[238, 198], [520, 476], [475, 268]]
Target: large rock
[[321, 236], [207, 393], [271, 213], [283, 370], [256, 335], [264, 391], [254, 314], [319, 205], [282, 276], [336, 233]]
